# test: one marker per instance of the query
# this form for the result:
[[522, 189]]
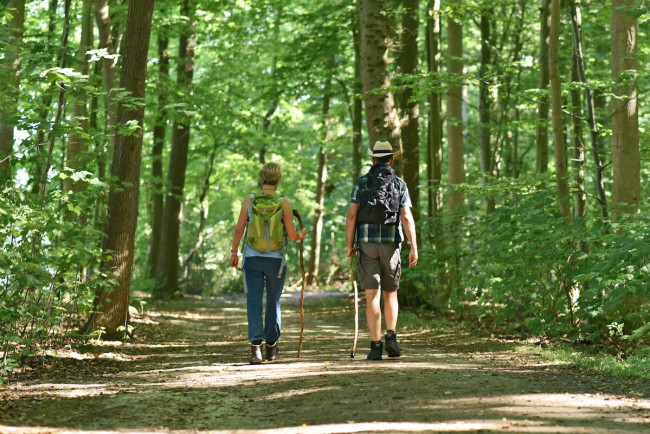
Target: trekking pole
[[353, 278], [302, 292]]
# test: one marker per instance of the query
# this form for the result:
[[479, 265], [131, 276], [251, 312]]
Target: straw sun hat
[[381, 149]]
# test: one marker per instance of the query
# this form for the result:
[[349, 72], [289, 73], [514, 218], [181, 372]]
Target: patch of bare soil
[[187, 370]]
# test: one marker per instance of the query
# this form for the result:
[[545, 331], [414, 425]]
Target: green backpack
[[265, 230]]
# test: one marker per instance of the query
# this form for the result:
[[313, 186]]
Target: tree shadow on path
[[187, 370]]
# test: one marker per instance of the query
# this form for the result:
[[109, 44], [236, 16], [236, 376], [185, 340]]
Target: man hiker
[[378, 217]]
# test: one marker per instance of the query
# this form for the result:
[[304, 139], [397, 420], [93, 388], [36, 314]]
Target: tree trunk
[[434, 148], [77, 144], [410, 109], [381, 115], [317, 230], [485, 104], [168, 263], [456, 164], [44, 112], [109, 65], [439, 291], [159, 135], [626, 191], [577, 143], [541, 137], [319, 212], [599, 165], [357, 103], [203, 209], [266, 122], [455, 110], [112, 313], [561, 170], [10, 93]]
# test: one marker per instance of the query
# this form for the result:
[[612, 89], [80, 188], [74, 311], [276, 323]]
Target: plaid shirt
[[373, 233]]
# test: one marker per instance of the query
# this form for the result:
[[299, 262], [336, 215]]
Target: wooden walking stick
[[302, 292], [353, 278]]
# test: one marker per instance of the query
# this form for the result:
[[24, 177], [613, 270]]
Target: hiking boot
[[256, 354], [376, 349], [392, 347], [271, 351]]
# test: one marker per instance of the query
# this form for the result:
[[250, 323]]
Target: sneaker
[[376, 349], [271, 351], [256, 354], [392, 347]]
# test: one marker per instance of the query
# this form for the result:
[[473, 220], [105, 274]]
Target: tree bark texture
[[456, 162], [321, 183], [577, 145], [109, 63], [168, 257], [112, 306], [381, 115], [10, 93], [357, 104], [626, 158], [541, 137], [410, 109], [599, 166], [159, 137], [77, 144], [485, 104], [434, 148], [561, 169]]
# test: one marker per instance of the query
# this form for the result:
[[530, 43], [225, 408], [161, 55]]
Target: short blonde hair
[[271, 174]]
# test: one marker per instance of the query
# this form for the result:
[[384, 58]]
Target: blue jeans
[[259, 271]]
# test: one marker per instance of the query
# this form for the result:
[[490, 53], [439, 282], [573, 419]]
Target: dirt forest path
[[187, 371]]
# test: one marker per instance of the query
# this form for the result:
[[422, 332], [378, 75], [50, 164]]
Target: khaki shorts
[[380, 266]]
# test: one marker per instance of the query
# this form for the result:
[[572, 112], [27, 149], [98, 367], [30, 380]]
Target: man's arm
[[409, 228], [351, 226]]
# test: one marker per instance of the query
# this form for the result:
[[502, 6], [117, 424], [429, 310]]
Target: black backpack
[[379, 199]]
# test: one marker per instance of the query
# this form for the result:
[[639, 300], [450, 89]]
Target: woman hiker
[[267, 220]]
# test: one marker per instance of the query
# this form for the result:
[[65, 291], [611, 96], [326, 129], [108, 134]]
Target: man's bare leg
[[391, 309], [373, 313]]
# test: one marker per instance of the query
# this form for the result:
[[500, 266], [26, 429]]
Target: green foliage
[[526, 269], [49, 266]]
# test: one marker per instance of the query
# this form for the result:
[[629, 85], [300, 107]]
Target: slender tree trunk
[[168, 263], [77, 144], [541, 138], [381, 115], [485, 104], [203, 212], [561, 170], [409, 108], [434, 148], [266, 122], [577, 143], [9, 95], [109, 64], [112, 313], [439, 291], [44, 113], [42, 184], [319, 212], [456, 163], [599, 166], [159, 136], [357, 104], [455, 111], [626, 191]]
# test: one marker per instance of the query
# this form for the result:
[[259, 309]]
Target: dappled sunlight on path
[[188, 371]]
